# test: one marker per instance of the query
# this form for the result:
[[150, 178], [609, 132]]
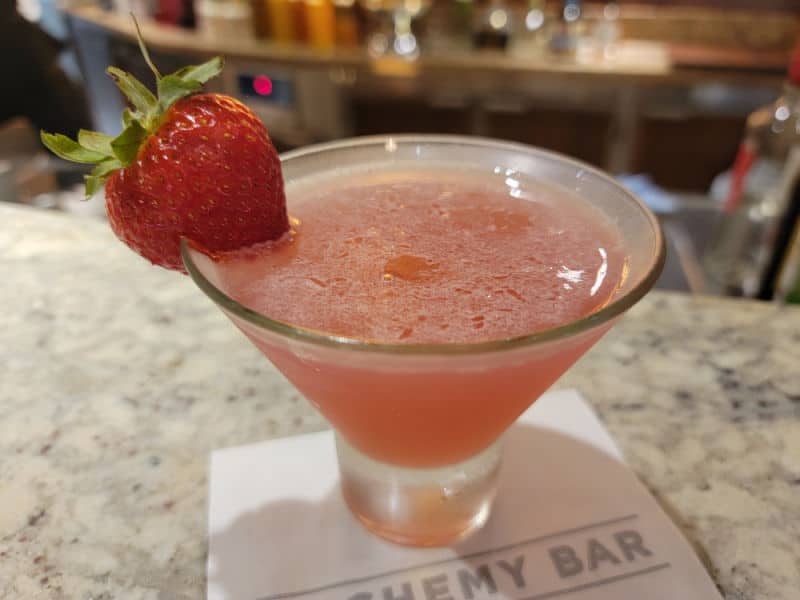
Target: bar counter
[[117, 379]]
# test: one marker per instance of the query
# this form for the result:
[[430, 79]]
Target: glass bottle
[[759, 196], [494, 26], [320, 20]]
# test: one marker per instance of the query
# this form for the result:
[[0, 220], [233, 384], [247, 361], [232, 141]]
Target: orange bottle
[[347, 30], [299, 20], [321, 23], [261, 18], [281, 27]]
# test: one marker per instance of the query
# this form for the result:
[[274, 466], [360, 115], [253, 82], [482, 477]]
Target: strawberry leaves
[[92, 140], [172, 88], [186, 81], [97, 178], [142, 118], [126, 144], [140, 98], [68, 149], [201, 73]]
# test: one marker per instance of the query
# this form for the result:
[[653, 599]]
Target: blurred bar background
[[656, 92]]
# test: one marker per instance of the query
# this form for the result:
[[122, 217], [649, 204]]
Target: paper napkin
[[571, 521]]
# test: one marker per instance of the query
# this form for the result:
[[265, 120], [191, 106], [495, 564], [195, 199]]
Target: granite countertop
[[117, 379]]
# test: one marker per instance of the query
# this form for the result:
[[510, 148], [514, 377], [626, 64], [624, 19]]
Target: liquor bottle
[[187, 19], [494, 26], [346, 23], [168, 11], [780, 244], [463, 15], [566, 29], [320, 20], [281, 22], [298, 14], [748, 237]]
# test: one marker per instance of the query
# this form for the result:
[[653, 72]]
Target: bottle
[[606, 31], [566, 29], [281, 23], [261, 19], [187, 19], [300, 22], [320, 23], [225, 19], [346, 23], [463, 14], [168, 11], [494, 26], [747, 241], [529, 37], [780, 241]]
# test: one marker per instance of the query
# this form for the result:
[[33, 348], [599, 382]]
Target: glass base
[[419, 507]]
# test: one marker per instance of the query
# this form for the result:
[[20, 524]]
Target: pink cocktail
[[431, 290]]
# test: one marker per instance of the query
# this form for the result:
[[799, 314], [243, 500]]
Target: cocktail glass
[[418, 427]]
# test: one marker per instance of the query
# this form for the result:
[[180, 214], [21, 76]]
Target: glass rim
[[614, 308]]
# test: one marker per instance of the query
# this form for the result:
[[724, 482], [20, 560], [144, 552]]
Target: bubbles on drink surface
[[422, 258]]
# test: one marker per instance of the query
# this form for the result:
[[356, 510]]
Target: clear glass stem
[[419, 506]]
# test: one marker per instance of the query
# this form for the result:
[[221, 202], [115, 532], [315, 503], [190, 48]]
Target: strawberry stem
[[143, 48]]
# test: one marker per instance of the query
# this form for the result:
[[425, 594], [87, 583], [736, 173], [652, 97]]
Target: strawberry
[[199, 166]]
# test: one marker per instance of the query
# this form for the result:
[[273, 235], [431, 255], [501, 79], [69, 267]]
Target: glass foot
[[419, 507]]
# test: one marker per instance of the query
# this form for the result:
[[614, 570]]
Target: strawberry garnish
[[199, 166]]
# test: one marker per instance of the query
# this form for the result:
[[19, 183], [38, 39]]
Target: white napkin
[[571, 521]]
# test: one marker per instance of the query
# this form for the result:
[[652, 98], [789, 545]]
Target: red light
[[262, 85]]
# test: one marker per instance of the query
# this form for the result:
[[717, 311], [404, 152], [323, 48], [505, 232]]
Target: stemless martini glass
[[418, 427]]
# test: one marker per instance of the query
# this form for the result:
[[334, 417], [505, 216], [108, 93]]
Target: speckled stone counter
[[117, 379]]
